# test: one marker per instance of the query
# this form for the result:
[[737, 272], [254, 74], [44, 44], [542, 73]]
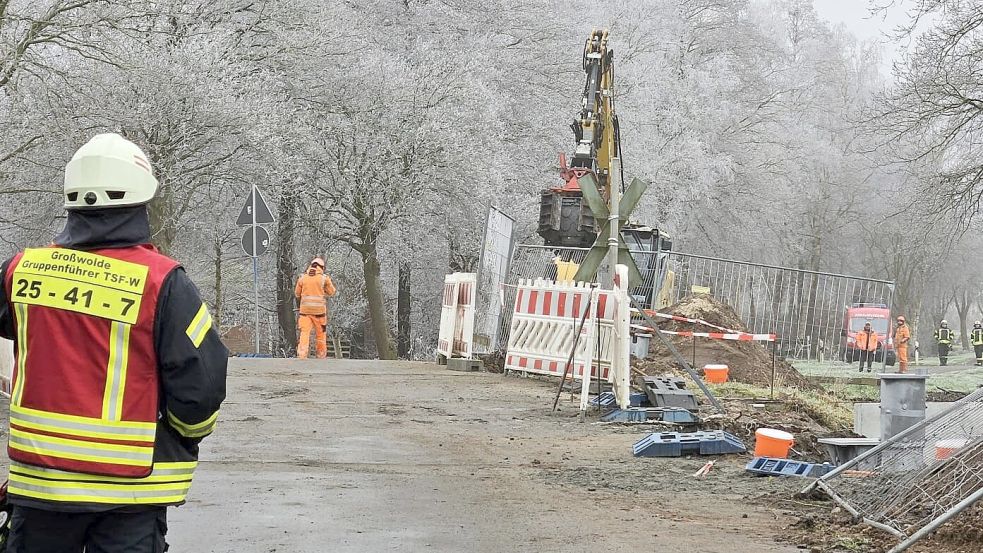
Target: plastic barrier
[[456, 334], [6, 365], [545, 317], [674, 444], [769, 466]]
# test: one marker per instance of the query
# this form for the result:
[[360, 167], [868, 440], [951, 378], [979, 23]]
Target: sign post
[[255, 242]]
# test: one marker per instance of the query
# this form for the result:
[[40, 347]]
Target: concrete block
[[867, 417], [841, 450], [463, 365]]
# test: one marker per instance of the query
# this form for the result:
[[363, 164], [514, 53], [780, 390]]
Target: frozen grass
[[819, 406], [963, 380]]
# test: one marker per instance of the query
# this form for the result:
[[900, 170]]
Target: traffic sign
[[256, 203], [262, 241]]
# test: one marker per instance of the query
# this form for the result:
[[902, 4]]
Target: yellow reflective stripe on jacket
[[198, 430], [200, 325], [119, 356], [163, 472], [18, 392], [82, 426], [133, 493], [64, 448]]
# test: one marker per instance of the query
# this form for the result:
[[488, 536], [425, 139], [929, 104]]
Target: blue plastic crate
[[770, 466], [675, 444], [625, 415]]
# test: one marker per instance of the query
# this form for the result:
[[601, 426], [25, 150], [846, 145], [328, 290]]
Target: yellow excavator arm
[[596, 129]]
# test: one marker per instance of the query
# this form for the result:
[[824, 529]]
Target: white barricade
[[545, 318], [456, 334], [463, 345], [6, 365]]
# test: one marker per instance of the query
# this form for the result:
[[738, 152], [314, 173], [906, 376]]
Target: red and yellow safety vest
[[84, 399]]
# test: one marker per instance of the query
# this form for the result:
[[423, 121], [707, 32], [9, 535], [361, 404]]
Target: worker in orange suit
[[313, 289], [902, 335], [867, 341]]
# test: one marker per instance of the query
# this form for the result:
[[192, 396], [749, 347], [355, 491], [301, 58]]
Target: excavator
[[565, 218]]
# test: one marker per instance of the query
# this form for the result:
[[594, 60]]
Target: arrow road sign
[[262, 241], [256, 203]]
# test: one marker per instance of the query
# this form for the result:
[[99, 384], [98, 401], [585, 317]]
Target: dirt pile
[[749, 362]]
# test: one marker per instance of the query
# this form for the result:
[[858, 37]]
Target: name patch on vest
[[82, 282]]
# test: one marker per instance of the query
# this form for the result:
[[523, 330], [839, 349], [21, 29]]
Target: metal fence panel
[[918, 479], [806, 309]]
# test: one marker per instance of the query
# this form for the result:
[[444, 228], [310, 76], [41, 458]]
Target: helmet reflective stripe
[[108, 171]]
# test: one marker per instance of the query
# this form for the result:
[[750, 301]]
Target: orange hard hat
[[317, 261]]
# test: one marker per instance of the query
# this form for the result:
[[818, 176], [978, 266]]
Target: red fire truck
[[854, 318]]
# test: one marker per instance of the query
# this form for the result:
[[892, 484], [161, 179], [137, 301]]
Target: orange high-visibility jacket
[[867, 340], [311, 290], [902, 336]]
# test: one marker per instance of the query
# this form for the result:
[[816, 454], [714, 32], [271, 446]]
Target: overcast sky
[[855, 15]]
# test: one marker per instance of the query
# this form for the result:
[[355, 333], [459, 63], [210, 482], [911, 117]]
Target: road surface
[[366, 456]]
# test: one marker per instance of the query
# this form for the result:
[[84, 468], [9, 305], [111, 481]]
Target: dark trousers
[[979, 354], [38, 531], [944, 353], [867, 356]]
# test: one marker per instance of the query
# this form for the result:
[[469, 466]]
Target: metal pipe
[[614, 226], [678, 356]]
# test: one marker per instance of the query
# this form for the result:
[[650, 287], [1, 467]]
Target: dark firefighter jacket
[[165, 370]]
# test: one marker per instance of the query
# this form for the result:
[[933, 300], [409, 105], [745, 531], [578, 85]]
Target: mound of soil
[[749, 362]]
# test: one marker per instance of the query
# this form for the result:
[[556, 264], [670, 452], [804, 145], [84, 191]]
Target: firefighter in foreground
[[313, 288], [976, 338], [902, 336], [867, 341], [119, 372], [943, 338]]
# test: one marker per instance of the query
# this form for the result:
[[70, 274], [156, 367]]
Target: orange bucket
[[769, 442], [715, 374], [947, 448]]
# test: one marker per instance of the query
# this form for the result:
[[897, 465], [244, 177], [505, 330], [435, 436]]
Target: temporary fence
[[919, 479], [493, 266], [456, 335], [804, 309]]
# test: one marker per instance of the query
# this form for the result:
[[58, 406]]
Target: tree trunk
[[163, 228], [403, 309], [962, 308], [376, 301], [286, 319], [218, 283]]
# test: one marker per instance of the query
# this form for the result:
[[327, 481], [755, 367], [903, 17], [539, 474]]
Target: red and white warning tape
[[682, 319], [739, 336]]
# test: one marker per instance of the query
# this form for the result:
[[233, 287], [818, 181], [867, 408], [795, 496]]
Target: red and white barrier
[[6, 366], [738, 336], [545, 319], [456, 335], [682, 319]]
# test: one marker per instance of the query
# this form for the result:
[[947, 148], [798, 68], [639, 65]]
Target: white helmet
[[108, 171], [945, 322]]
